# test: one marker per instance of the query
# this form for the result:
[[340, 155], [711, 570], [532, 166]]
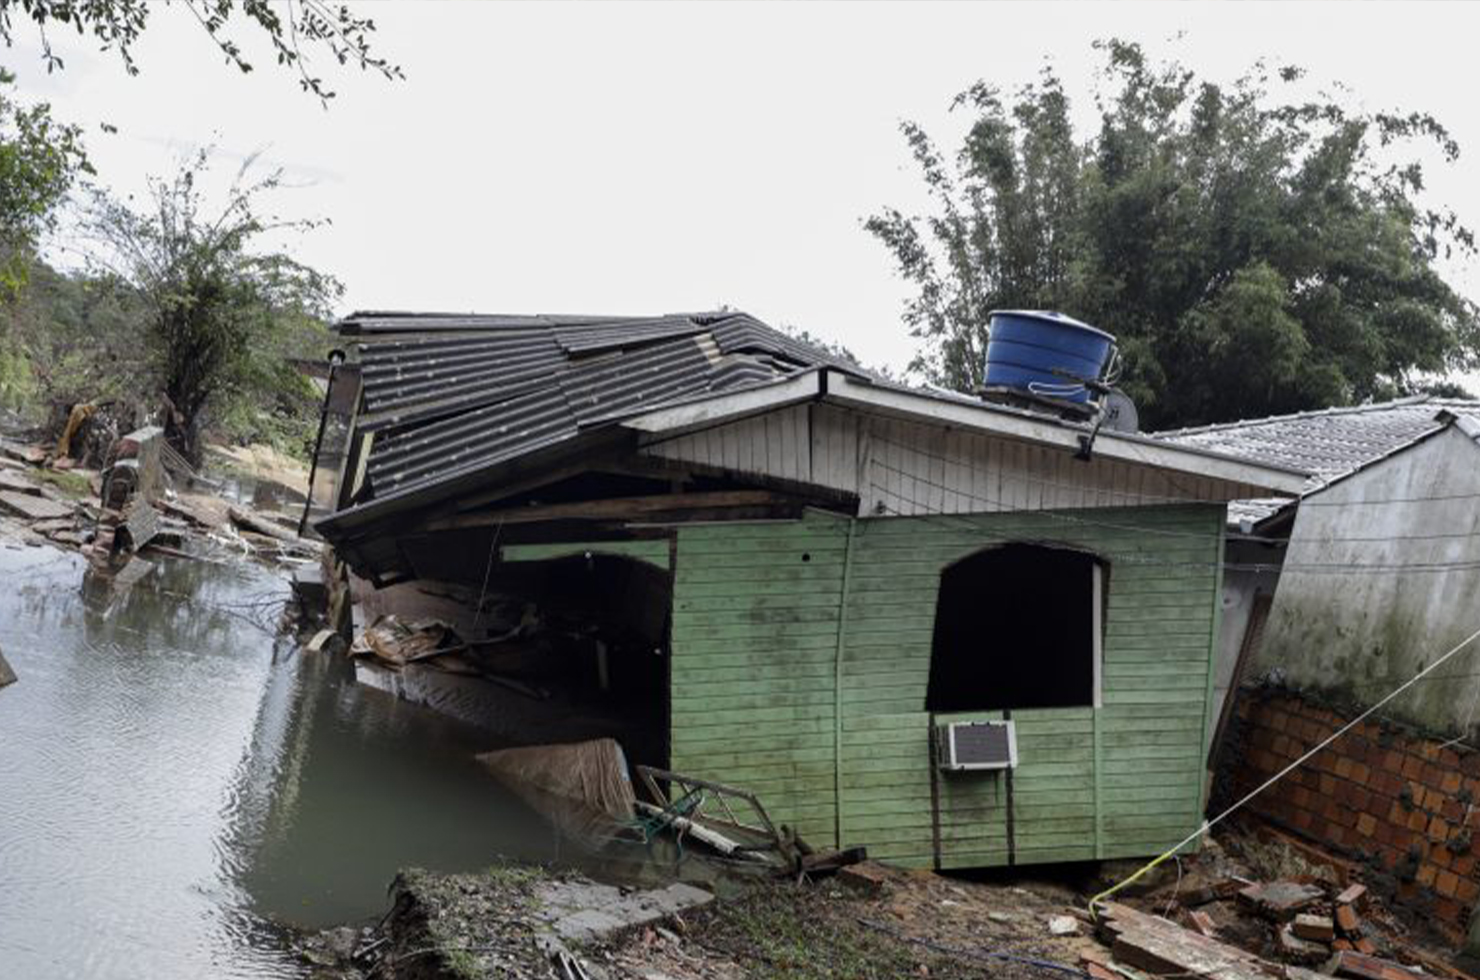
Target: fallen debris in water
[[396, 643], [583, 788]]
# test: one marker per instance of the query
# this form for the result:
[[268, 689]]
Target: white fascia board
[[843, 390], [710, 409]]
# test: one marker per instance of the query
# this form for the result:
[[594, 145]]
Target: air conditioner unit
[[968, 745]]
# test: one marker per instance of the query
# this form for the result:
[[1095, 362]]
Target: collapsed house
[[1344, 595], [962, 633]]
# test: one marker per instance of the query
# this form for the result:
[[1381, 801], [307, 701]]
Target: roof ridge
[[1307, 414]]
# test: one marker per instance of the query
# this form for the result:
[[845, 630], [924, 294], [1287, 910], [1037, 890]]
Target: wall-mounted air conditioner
[[967, 745]]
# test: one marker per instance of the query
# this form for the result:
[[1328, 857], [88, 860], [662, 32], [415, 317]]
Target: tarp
[[584, 788]]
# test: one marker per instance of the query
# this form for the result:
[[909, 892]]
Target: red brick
[[1366, 825], [1438, 830], [1468, 891], [1429, 750], [1361, 773], [1427, 873], [1347, 919], [1463, 865], [1450, 782], [1433, 800], [1412, 767], [1446, 883], [1448, 758], [1418, 820], [1328, 784], [1448, 910], [1343, 767]]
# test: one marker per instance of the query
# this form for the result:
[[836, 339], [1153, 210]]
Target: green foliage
[[80, 337], [39, 158], [220, 319], [292, 28], [1253, 254]]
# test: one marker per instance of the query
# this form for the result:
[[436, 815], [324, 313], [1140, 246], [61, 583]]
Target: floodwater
[[175, 780]]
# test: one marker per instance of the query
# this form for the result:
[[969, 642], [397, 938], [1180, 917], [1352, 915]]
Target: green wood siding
[[801, 655]]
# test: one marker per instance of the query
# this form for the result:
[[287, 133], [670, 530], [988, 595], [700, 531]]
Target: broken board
[[1157, 946], [33, 508]]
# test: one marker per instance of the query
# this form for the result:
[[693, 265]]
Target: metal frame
[[760, 836]]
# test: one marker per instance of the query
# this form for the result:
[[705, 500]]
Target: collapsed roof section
[[444, 394]]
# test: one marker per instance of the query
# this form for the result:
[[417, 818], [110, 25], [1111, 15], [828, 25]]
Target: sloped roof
[[445, 392], [1328, 443]]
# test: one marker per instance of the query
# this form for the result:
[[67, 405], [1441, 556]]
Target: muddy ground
[[869, 922]]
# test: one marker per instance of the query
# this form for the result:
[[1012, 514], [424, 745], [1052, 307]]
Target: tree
[[39, 159], [1253, 254], [220, 316], [293, 28]]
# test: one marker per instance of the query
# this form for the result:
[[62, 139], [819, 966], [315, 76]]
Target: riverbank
[[869, 922], [1227, 911]]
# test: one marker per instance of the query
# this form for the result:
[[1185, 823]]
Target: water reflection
[[174, 779]]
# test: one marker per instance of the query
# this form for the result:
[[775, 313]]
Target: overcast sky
[[615, 158]]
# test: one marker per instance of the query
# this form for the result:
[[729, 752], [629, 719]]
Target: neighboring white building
[[1374, 572]]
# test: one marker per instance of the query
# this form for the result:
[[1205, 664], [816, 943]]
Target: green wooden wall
[[801, 654]]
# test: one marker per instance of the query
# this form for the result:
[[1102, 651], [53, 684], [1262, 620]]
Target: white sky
[[615, 158]]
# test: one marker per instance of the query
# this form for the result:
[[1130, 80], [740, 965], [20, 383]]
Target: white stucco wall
[[1353, 634]]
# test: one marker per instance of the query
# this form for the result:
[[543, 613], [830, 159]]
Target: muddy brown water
[[176, 781]]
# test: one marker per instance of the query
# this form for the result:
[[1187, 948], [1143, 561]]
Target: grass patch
[[781, 932], [65, 481]]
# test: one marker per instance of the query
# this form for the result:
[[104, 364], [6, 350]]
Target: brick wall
[[1406, 807]]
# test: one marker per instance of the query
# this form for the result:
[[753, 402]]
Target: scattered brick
[[1354, 895], [1346, 916], [1361, 966], [1280, 900], [1293, 949], [1316, 928]]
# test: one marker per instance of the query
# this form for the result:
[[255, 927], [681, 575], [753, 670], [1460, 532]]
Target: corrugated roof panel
[[606, 335], [403, 376], [486, 434], [1327, 443], [450, 391], [742, 333], [640, 378]]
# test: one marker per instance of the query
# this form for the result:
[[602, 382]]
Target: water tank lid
[[1050, 316]]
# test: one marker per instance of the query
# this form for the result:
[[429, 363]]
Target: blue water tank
[[1043, 353]]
